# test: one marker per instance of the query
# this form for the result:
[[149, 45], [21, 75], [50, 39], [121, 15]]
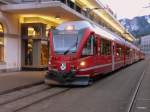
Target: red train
[[80, 50]]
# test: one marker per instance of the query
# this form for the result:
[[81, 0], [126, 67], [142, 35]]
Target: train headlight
[[82, 63], [49, 62]]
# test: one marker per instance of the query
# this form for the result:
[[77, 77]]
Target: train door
[[104, 59], [131, 55], [124, 55], [113, 55], [97, 56], [119, 57], [127, 56]]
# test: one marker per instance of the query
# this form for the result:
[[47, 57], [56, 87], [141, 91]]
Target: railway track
[[42, 99], [21, 93], [20, 88], [18, 100]]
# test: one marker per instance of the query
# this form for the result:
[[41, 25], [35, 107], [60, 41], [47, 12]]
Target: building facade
[[9, 42], [145, 44], [24, 26]]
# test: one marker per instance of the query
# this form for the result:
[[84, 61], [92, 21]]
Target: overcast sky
[[128, 8]]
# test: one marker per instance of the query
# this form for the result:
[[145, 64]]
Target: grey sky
[[128, 8]]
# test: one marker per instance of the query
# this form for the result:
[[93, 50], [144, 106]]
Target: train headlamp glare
[[82, 63], [69, 27], [49, 62]]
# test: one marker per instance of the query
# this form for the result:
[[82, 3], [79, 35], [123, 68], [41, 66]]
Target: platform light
[[57, 17], [1, 43], [1, 28], [73, 1], [82, 63]]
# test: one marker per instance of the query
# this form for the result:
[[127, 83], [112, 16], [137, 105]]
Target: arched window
[[1, 43]]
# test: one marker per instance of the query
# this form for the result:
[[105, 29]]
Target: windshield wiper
[[68, 50]]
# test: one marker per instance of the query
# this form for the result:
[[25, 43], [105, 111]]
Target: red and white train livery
[[80, 50]]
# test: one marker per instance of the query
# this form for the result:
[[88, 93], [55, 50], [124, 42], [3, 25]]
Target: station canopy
[[106, 14], [57, 13]]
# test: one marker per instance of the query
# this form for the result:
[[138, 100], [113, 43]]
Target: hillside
[[138, 26]]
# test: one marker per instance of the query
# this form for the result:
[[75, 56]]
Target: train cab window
[[119, 50], [105, 46], [89, 47]]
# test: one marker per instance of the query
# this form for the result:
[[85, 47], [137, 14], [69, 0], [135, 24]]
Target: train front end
[[63, 68]]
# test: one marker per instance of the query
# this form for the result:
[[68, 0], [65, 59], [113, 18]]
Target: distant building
[[145, 44]]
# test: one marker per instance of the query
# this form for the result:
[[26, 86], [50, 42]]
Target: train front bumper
[[62, 78]]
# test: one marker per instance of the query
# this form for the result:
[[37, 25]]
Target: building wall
[[145, 44], [11, 42]]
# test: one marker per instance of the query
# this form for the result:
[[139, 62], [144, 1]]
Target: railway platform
[[18, 80], [142, 98]]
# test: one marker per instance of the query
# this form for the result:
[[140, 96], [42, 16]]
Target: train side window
[[89, 47], [105, 46], [127, 52], [119, 50], [108, 47]]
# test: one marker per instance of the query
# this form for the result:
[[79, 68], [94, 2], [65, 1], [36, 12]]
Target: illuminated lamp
[[57, 17], [73, 1], [69, 27], [1, 43], [1, 28], [82, 63]]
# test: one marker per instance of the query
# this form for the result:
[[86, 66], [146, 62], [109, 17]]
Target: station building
[[145, 44], [24, 27]]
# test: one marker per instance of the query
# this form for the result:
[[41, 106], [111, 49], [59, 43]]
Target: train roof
[[103, 32], [78, 25], [132, 46]]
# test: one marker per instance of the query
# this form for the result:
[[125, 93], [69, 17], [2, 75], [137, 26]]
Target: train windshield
[[66, 42]]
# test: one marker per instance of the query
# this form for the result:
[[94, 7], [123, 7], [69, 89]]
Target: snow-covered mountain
[[138, 26]]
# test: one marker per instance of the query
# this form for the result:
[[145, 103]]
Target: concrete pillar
[[36, 52]]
